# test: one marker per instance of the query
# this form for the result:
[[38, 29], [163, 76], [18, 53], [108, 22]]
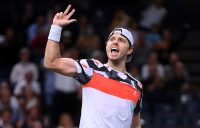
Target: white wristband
[[55, 33]]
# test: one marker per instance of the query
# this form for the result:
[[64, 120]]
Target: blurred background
[[166, 59]]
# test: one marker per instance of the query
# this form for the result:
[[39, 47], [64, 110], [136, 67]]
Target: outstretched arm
[[52, 58]]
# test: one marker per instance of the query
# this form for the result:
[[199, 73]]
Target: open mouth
[[114, 50]]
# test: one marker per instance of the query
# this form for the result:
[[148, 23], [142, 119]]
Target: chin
[[114, 59]]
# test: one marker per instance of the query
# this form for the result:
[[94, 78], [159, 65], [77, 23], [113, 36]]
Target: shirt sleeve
[[138, 105], [85, 69]]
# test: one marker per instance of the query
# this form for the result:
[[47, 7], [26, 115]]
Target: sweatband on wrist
[[55, 33]]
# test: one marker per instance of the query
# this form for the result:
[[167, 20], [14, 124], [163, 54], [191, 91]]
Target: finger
[[60, 15], [70, 14], [57, 15], [67, 10], [71, 21]]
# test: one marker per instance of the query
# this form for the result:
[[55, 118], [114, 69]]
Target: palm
[[62, 19]]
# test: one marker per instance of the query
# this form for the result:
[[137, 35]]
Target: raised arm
[[52, 58]]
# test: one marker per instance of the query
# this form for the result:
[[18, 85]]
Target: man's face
[[118, 48]]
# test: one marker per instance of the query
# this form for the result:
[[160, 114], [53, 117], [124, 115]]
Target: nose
[[115, 42]]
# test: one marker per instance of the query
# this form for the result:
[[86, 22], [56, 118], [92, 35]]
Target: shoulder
[[93, 63], [136, 81]]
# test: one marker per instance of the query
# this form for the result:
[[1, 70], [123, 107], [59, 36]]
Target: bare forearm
[[53, 60], [52, 52]]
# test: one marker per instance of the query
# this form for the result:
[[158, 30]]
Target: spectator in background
[[30, 104], [32, 116], [61, 90], [30, 98], [153, 37], [27, 81], [37, 124], [153, 14], [9, 47], [22, 67], [39, 41], [49, 90], [152, 75], [121, 18], [37, 45], [153, 69], [141, 52], [28, 14], [177, 75], [187, 101], [66, 92], [8, 103], [176, 72], [5, 118], [66, 121], [40, 26], [158, 40], [173, 58]]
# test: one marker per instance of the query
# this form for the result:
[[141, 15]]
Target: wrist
[[56, 24], [55, 33]]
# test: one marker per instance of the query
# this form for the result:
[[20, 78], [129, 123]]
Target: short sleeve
[[138, 105], [85, 70]]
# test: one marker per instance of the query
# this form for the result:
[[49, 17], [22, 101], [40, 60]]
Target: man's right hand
[[61, 19]]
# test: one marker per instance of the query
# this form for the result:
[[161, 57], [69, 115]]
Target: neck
[[119, 66]]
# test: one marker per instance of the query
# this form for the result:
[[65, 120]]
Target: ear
[[130, 50]]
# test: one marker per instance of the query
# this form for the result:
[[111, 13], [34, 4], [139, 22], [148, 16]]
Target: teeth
[[114, 49]]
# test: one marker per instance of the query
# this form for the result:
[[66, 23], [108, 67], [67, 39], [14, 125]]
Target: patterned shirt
[[110, 98]]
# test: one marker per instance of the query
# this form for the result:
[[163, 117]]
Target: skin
[[66, 66], [117, 60], [136, 121]]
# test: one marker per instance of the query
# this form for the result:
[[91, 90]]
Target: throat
[[120, 67]]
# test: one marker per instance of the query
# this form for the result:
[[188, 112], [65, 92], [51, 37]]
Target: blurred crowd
[[32, 97]]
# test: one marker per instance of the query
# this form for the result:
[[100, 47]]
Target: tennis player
[[111, 97]]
